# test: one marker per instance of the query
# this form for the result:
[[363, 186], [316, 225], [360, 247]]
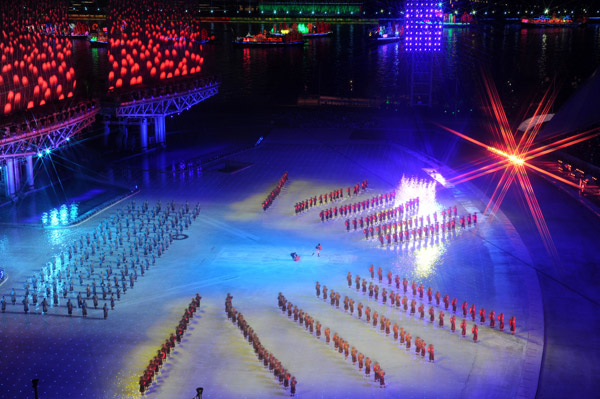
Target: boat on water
[[385, 34], [544, 21], [98, 39], [79, 31], [267, 40], [310, 30], [452, 20]]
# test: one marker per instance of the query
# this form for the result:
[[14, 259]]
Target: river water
[[521, 61]]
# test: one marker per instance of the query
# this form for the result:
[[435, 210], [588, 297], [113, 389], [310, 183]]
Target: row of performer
[[393, 232], [340, 344], [401, 220], [400, 334], [403, 210], [419, 291], [357, 207], [81, 304], [273, 194], [332, 196], [264, 356], [159, 359]]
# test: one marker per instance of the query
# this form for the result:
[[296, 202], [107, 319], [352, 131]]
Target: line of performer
[[264, 356], [330, 197], [156, 363], [340, 345]]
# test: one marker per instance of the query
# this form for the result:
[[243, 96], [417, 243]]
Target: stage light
[[423, 26], [514, 159]]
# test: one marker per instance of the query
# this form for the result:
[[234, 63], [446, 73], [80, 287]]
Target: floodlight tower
[[423, 31]]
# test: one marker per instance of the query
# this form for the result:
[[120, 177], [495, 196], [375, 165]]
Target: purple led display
[[423, 26]]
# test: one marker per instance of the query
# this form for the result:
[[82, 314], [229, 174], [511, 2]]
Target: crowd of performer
[[358, 207], [340, 344], [271, 197], [417, 305], [409, 229], [374, 318], [103, 264], [402, 211], [157, 361], [330, 197], [285, 378]]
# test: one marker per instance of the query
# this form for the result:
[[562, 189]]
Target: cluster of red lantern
[[40, 16], [35, 63], [145, 47]]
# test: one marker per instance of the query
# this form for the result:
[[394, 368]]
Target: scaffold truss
[[166, 104], [34, 137]]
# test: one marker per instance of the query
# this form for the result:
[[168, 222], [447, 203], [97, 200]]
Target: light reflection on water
[[426, 257], [58, 237]]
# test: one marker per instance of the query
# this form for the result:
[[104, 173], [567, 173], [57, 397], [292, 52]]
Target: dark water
[[522, 62]]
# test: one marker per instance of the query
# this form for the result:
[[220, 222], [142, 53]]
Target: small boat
[[98, 39], [452, 20], [320, 34], [544, 21], [386, 34], [310, 30], [264, 40]]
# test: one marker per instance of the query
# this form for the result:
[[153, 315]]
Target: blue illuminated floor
[[235, 247]]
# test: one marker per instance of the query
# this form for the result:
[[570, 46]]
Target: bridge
[[140, 106], [37, 134]]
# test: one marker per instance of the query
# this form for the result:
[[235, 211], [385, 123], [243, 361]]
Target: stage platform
[[234, 247]]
